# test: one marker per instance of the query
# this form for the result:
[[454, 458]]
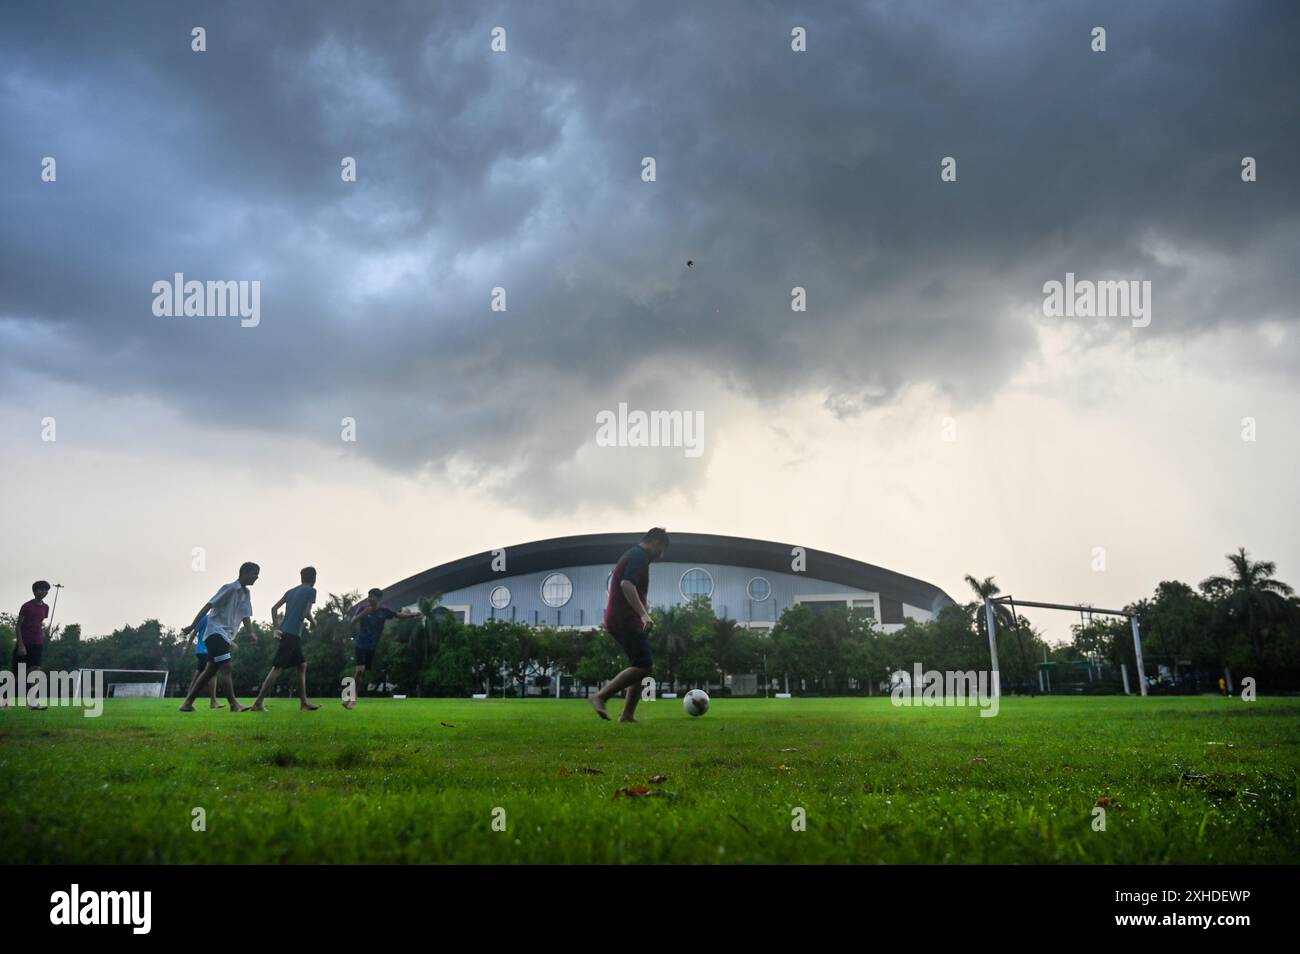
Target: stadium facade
[[563, 582]]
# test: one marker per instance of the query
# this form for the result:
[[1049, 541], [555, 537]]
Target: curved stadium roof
[[604, 549]]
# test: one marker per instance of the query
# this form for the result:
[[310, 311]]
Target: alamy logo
[[1089, 299], [950, 688], [214, 299], [651, 429], [39, 688], [75, 907]]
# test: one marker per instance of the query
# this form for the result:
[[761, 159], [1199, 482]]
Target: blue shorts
[[636, 644]]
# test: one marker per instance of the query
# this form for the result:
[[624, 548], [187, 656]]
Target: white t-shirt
[[230, 607]]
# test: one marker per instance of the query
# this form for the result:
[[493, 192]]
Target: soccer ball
[[696, 702]]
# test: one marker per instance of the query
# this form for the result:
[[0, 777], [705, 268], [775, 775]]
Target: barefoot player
[[297, 606], [201, 659], [231, 608], [628, 621], [29, 633]]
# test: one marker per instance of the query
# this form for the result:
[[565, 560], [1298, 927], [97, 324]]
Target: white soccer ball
[[696, 702]]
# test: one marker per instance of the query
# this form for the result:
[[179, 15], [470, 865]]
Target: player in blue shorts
[[368, 619]]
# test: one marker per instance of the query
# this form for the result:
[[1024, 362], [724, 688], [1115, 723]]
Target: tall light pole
[[49, 624]]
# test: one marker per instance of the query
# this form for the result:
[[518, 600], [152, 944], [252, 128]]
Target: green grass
[[390, 783]]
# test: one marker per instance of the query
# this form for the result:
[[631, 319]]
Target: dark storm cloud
[[522, 170]]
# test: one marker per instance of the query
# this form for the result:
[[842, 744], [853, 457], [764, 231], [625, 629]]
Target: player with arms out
[[229, 609], [297, 603], [628, 621], [368, 619]]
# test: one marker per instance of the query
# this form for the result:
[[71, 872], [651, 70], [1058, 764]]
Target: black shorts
[[289, 655], [33, 657], [365, 655], [636, 644], [218, 648], [202, 660]]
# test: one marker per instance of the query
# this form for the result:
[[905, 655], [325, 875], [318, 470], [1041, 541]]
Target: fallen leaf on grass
[[979, 758], [447, 724], [634, 791], [789, 750], [590, 771], [658, 779], [1107, 802], [784, 768]]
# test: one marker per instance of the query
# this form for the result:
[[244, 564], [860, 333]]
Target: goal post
[[1091, 610], [136, 685]]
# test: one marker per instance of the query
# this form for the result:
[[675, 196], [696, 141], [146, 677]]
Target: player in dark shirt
[[628, 620], [368, 619], [29, 634]]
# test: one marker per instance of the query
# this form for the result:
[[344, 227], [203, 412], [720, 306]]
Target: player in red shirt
[[29, 644], [628, 620]]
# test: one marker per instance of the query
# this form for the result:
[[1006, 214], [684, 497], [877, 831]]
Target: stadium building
[[563, 582]]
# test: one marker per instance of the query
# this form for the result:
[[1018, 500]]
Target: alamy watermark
[[39, 689], [213, 299], [948, 688], [626, 428], [1089, 299], [75, 906]]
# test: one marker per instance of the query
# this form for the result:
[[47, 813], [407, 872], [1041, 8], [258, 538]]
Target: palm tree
[[1250, 596], [986, 589], [427, 626], [671, 633]]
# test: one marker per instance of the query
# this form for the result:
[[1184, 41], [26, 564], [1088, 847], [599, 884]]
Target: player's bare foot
[[349, 704], [257, 707], [309, 707], [217, 705], [187, 708], [238, 708], [598, 704], [628, 720]]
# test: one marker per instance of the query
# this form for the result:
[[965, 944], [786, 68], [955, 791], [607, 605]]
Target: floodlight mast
[[1131, 617]]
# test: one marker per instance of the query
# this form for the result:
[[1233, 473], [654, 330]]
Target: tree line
[[1245, 620]]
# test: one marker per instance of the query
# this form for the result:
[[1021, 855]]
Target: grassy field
[[1204, 780]]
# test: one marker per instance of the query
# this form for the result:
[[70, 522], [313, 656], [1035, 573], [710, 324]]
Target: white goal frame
[[165, 673], [1090, 610]]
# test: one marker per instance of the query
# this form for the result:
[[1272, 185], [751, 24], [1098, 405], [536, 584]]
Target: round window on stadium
[[696, 582], [557, 589], [759, 589], [500, 597]]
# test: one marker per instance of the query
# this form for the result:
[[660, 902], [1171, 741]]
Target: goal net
[[125, 683]]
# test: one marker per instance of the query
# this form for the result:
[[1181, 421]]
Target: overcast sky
[[922, 414]]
